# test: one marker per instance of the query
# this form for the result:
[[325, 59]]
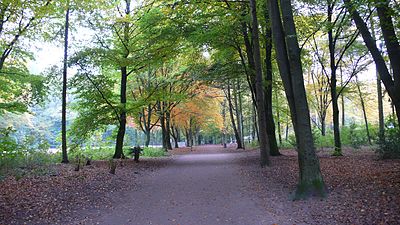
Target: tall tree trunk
[[333, 84], [122, 117], [384, 13], [119, 153], [241, 115], [261, 110], [342, 101], [236, 95], [278, 117], [163, 127], [187, 136], [273, 145], [177, 137], [235, 130], [198, 136], [323, 126], [379, 92], [64, 92], [168, 130], [224, 123], [148, 135], [175, 133], [255, 124], [311, 181], [393, 49], [191, 133], [363, 110]]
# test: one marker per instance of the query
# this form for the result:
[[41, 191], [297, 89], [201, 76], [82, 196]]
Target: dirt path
[[200, 188], [209, 185]]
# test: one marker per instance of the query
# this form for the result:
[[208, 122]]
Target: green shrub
[[289, 143], [355, 135], [323, 141], [28, 157], [100, 153], [9, 148], [253, 144], [153, 152], [389, 146]]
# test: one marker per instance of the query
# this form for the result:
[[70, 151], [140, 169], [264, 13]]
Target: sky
[[46, 56]]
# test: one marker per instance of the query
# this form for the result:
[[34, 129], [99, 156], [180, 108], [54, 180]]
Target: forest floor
[[206, 185]]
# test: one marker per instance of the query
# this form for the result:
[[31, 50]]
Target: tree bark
[[241, 115], [311, 181], [261, 110], [342, 101], [235, 130], [163, 125], [64, 92], [363, 110], [187, 136], [122, 117], [148, 136], [273, 145], [379, 92], [238, 112], [224, 123], [278, 117], [333, 84], [119, 153], [175, 136], [168, 130]]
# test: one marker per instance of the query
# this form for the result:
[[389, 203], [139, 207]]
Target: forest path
[[204, 187]]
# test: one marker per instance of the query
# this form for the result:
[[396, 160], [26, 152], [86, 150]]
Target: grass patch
[[106, 153], [101, 153], [153, 152], [33, 163]]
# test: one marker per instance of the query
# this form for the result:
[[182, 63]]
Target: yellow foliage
[[203, 110]]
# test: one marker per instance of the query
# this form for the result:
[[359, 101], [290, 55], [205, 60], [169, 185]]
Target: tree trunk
[[363, 110], [174, 138], [163, 132], [342, 100], [191, 133], [236, 95], [119, 153], [255, 124], [278, 117], [379, 92], [64, 93], [235, 130], [224, 123], [168, 130], [333, 83], [261, 110], [241, 115], [187, 138], [147, 142], [122, 117], [311, 181], [273, 145]]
